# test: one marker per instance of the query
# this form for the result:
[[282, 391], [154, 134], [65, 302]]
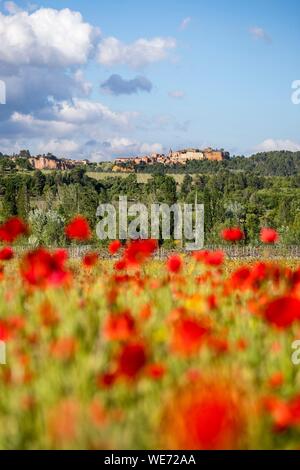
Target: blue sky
[[131, 77]]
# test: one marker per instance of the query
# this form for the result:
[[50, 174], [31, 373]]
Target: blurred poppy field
[[194, 352]]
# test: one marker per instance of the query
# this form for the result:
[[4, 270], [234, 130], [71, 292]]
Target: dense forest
[[265, 192]]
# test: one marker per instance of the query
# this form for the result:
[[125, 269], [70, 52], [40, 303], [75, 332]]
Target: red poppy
[[120, 265], [78, 229], [294, 406], [214, 258], [97, 413], [279, 411], [131, 360], [207, 414], [156, 371], [188, 335], [145, 312], [106, 380], [139, 251], [282, 312], [90, 259], [276, 380], [212, 302], [41, 268], [210, 258], [268, 235], [48, 314], [63, 348], [285, 414], [63, 422], [241, 344], [6, 253], [12, 229], [4, 331], [233, 234], [218, 344], [119, 327], [174, 264], [114, 247]]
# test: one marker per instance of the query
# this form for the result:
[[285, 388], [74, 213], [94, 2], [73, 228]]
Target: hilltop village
[[172, 158]]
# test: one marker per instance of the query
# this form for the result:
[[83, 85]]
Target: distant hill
[[281, 163]]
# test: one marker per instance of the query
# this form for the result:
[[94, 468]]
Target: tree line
[[244, 198]]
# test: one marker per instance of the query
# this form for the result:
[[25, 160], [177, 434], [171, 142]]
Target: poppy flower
[[106, 380], [114, 247], [294, 407], [276, 380], [240, 278], [268, 235], [4, 331], [48, 314], [210, 258], [214, 258], [64, 348], [174, 264], [207, 414], [233, 234], [282, 312], [41, 268], [78, 229], [241, 344], [97, 413], [12, 229], [218, 344], [188, 335], [138, 251], [285, 413], [120, 265], [90, 259], [212, 302], [279, 411], [145, 312], [62, 422], [131, 360], [6, 253], [119, 327], [156, 371]]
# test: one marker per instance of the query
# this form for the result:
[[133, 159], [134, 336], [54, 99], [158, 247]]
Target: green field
[[141, 177]]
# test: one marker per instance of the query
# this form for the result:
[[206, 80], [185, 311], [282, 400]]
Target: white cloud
[[151, 148], [85, 85], [71, 120], [142, 52], [45, 37], [123, 144], [59, 147], [70, 124], [270, 145], [26, 123], [259, 33], [80, 111], [177, 94], [185, 22], [122, 147]]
